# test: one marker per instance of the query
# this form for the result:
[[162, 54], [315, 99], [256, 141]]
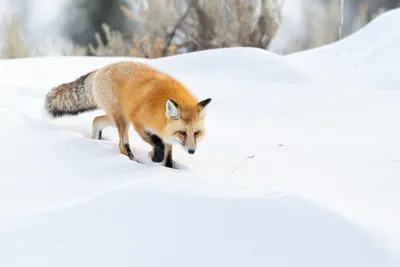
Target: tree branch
[[171, 35]]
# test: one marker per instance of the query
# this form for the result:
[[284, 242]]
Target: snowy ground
[[322, 189]]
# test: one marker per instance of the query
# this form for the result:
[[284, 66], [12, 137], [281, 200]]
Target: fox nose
[[191, 151]]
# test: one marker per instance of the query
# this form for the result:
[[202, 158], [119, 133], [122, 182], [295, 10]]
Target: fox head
[[185, 123]]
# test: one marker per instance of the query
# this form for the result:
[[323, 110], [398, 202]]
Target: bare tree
[[202, 24]]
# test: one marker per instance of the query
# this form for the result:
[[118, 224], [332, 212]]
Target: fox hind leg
[[122, 126], [99, 123]]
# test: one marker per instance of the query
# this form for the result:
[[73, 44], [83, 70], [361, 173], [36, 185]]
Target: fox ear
[[171, 109], [202, 105]]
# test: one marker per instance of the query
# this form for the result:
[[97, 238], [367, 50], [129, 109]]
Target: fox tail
[[71, 98]]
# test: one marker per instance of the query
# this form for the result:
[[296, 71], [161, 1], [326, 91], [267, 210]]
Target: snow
[[372, 46], [322, 188]]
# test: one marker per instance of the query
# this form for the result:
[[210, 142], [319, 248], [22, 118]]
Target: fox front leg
[[161, 152], [158, 152], [167, 162]]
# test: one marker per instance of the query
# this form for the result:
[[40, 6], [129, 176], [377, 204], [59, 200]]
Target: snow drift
[[321, 190], [374, 46]]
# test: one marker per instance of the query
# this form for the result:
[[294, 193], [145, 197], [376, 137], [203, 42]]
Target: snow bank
[[321, 190], [212, 63], [153, 223], [386, 55], [228, 62], [372, 46]]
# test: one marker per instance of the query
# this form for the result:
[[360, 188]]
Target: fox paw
[[132, 157], [156, 155], [127, 151]]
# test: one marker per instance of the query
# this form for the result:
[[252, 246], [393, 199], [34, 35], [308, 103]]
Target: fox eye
[[183, 133], [196, 133]]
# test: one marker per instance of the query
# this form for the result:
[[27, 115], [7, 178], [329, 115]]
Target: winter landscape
[[300, 166]]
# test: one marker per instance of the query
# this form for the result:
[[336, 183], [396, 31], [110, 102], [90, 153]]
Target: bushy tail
[[71, 98]]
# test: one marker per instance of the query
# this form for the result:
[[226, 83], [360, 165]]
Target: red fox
[[160, 108]]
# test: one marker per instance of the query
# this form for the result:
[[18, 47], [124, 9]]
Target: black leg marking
[[168, 160], [99, 136], [159, 148], [129, 151], [158, 153]]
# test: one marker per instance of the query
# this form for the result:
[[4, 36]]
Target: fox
[[160, 108]]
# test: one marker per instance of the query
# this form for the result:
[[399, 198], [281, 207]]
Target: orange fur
[[143, 96], [135, 93]]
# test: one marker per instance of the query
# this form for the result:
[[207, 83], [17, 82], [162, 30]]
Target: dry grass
[[199, 25], [146, 47], [14, 45], [165, 28], [115, 46]]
